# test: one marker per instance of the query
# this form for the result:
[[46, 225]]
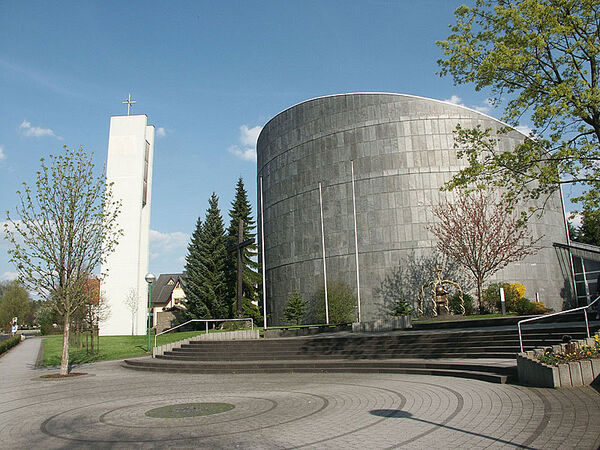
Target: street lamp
[[150, 277]]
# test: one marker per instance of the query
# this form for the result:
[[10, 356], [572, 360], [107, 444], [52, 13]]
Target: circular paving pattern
[[120, 408], [181, 410]]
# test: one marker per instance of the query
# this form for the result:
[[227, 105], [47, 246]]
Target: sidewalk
[[20, 360]]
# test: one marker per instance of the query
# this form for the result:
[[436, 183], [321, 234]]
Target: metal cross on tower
[[128, 102], [239, 247]]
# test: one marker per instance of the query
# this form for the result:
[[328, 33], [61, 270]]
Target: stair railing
[[584, 308], [206, 322]]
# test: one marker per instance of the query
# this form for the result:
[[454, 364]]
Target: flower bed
[[576, 363]]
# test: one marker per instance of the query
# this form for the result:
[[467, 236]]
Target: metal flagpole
[[324, 263], [262, 251], [355, 239]]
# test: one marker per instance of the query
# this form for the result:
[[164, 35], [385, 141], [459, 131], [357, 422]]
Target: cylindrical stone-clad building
[[402, 148]]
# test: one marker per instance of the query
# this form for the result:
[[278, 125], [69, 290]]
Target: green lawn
[[111, 347]]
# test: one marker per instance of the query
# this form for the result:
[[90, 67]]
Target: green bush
[[234, 325], [249, 309], [342, 304], [491, 297], [523, 306], [537, 308], [9, 343], [454, 304], [401, 308]]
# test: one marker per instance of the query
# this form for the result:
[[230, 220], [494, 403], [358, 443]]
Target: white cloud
[[455, 100], [487, 106], [524, 129], [249, 136], [161, 132], [26, 129], [9, 276], [247, 154], [2, 154], [246, 149], [575, 219], [166, 242]]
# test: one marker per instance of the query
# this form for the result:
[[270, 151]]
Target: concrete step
[[372, 346], [480, 371], [374, 356]]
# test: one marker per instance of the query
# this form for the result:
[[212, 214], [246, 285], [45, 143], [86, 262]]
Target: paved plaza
[[107, 409]]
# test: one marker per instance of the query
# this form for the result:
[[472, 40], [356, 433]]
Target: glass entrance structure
[[580, 264]]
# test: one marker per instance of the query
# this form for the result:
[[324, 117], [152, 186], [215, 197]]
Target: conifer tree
[[213, 258], [241, 209], [205, 283], [195, 306], [295, 310]]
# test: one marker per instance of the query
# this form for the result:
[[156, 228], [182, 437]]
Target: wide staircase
[[482, 350]]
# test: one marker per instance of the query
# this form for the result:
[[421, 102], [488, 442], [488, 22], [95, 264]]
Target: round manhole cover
[[189, 410]]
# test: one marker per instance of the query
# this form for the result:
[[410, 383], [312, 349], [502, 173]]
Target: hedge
[[9, 343]]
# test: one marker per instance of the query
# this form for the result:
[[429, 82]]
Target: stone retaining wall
[[222, 336], [577, 373], [305, 331], [389, 324]]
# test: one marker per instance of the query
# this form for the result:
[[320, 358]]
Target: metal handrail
[[585, 308], [206, 321]]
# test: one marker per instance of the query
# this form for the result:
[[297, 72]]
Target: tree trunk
[[64, 361], [480, 294]]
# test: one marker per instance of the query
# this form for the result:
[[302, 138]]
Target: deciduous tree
[[65, 226], [13, 303], [342, 303], [479, 234], [131, 301], [540, 58]]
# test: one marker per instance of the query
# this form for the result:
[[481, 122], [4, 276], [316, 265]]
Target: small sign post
[[502, 301]]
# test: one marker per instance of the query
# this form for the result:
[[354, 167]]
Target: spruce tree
[[205, 283], [213, 257], [241, 209], [295, 309], [193, 281]]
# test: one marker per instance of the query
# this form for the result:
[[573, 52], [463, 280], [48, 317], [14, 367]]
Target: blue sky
[[208, 75]]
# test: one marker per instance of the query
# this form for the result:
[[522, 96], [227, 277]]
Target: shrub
[[512, 293], [249, 309], [401, 308], [295, 309], [523, 306], [454, 304], [9, 343], [234, 325], [342, 304], [519, 288], [537, 308]]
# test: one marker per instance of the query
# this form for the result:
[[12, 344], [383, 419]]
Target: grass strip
[[111, 347]]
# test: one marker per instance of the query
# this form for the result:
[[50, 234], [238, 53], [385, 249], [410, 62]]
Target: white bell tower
[[129, 169]]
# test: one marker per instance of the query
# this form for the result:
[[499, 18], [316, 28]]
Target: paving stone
[[106, 409]]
